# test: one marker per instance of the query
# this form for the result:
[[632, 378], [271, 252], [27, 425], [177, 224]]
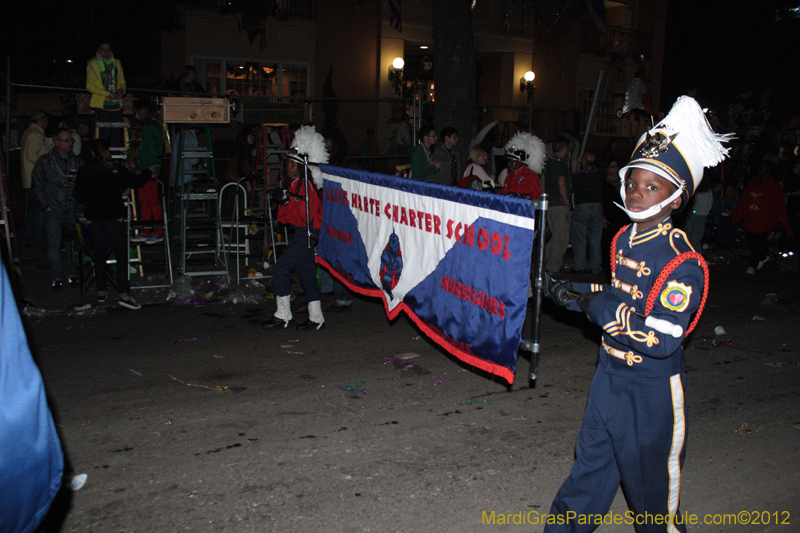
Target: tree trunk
[[455, 64]]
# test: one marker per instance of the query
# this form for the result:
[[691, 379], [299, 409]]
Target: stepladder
[[196, 209]]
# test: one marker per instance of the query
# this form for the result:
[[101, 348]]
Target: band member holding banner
[[525, 154], [634, 428], [300, 207]]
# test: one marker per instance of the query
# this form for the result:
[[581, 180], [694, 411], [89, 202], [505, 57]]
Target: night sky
[[715, 46], [720, 47], [40, 36]]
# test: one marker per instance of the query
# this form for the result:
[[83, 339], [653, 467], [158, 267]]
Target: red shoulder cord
[[662, 278], [614, 248]]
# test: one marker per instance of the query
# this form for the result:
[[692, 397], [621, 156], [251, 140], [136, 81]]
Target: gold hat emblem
[[655, 145]]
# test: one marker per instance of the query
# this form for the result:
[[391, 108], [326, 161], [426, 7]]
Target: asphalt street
[[192, 418]]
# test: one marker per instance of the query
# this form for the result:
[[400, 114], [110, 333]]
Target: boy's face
[[292, 169], [512, 165], [644, 189]]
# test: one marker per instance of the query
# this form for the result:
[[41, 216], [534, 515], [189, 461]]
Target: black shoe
[[58, 285], [308, 324], [73, 281], [338, 308], [275, 323]]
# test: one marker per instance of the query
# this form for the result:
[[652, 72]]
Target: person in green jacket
[[422, 167], [145, 146]]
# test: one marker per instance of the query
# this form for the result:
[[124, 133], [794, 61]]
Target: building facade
[[289, 48]]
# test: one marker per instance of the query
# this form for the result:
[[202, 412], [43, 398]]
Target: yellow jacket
[[94, 83], [33, 148]]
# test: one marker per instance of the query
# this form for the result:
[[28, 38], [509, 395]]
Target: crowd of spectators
[[63, 168], [753, 197]]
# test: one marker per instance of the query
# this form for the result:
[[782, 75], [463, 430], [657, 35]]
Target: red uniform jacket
[[524, 182], [294, 212]]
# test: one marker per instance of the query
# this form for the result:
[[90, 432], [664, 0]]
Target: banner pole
[[305, 189], [541, 215]]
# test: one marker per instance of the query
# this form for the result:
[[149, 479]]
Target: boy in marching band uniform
[[634, 429]]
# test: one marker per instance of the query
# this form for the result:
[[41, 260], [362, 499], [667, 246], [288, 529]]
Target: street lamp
[[396, 70], [526, 86], [396, 74]]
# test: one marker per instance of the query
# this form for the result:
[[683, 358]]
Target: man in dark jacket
[[100, 186], [52, 183]]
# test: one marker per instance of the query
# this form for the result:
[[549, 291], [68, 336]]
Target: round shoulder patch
[[675, 296]]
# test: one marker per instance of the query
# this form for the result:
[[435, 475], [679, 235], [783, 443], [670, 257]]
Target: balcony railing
[[615, 41]]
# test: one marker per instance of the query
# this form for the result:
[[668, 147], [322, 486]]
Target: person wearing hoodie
[[761, 208]]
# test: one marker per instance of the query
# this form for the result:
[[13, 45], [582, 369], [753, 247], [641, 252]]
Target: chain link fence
[[375, 134]]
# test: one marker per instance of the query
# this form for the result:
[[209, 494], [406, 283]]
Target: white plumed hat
[[528, 149], [308, 143], [679, 147]]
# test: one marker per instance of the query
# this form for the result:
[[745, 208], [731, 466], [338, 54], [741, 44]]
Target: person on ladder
[[145, 146], [106, 82], [308, 145]]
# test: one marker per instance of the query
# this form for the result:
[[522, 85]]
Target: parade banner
[[457, 261]]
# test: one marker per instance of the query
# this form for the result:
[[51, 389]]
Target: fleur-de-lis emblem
[[655, 145], [517, 153]]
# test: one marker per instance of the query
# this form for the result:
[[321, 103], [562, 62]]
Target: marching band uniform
[[524, 181], [308, 145], [297, 255], [634, 429], [294, 212]]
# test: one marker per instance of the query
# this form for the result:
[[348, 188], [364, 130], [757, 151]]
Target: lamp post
[[526, 85], [396, 75]]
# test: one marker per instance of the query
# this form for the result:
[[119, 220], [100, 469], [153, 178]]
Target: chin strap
[[652, 210]]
